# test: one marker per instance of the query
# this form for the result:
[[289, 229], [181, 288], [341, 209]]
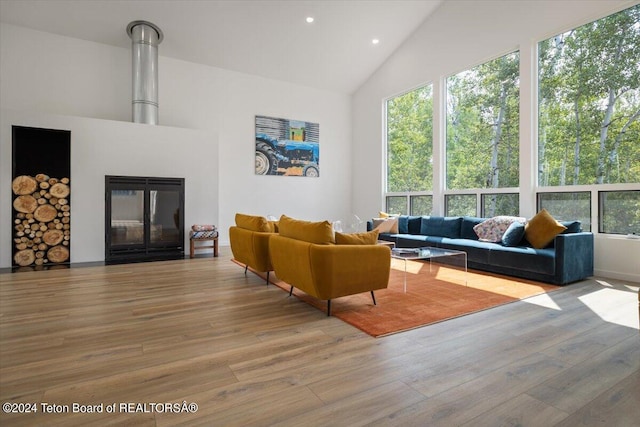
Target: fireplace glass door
[[164, 211], [127, 218], [144, 218]]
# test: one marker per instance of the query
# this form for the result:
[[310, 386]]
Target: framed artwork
[[287, 147]]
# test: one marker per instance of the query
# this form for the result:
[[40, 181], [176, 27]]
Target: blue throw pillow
[[514, 234]]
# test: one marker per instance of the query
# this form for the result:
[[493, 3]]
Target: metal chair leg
[[245, 269], [373, 297], [268, 278], [291, 291], [328, 307]]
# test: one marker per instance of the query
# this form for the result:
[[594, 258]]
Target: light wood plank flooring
[[248, 355]]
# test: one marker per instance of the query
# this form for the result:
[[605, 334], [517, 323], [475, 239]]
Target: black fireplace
[[144, 219]]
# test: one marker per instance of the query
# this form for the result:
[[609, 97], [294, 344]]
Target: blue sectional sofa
[[567, 259]]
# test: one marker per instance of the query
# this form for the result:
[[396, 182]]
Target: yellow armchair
[[249, 240], [323, 269]]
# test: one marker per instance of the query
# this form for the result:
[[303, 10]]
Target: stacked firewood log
[[42, 223]]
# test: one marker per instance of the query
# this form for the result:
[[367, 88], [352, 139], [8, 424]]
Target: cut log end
[[23, 185], [59, 190], [45, 213], [24, 257], [25, 204], [58, 254], [52, 237]]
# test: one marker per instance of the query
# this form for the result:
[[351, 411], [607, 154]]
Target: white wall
[[459, 35], [55, 75]]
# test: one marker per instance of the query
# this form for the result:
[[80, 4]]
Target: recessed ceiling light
[[375, 41], [310, 19]]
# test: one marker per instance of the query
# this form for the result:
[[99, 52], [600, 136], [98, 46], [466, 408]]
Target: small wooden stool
[[199, 237]]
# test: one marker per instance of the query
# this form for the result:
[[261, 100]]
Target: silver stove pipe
[[145, 38]]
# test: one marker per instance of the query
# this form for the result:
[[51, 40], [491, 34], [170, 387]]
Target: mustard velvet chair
[[249, 240], [304, 255]]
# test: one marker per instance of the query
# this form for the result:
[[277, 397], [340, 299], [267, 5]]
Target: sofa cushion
[[476, 250], [410, 240], [466, 228], [368, 238], [541, 229], [441, 226], [313, 232], [492, 229], [540, 261], [408, 224], [514, 234], [386, 225], [253, 223]]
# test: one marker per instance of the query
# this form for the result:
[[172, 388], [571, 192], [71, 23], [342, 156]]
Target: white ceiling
[[260, 37]]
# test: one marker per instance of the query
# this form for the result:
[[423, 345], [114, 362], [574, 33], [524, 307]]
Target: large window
[[482, 125], [589, 103], [589, 111], [482, 142], [410, 152]]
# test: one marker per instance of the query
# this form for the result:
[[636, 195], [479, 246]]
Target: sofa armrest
[[251, 247], [574, 257], [290, 261], [341, 270]]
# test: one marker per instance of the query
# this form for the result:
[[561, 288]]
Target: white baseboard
[[618, 276]]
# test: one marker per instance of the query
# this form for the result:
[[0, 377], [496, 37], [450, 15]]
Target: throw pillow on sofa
[[494, 228], [542, 229], [367, 238], [514, 234]]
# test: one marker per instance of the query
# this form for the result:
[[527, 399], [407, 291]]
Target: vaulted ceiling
[[265, 38]]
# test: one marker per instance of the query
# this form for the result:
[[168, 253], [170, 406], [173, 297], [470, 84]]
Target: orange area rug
[[433, 295]]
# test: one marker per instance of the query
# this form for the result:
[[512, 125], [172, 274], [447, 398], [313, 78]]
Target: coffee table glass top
[[422, 253]]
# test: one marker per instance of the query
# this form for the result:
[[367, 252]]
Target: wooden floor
[[148, 337]]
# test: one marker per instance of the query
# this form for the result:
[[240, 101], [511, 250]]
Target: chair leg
[[373, 297], [245, 269], [268, 278], [328, 307], [291, 291]]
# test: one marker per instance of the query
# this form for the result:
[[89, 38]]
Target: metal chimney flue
[[145, 38]]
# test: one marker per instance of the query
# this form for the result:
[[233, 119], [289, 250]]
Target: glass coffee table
[[429, 253]]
